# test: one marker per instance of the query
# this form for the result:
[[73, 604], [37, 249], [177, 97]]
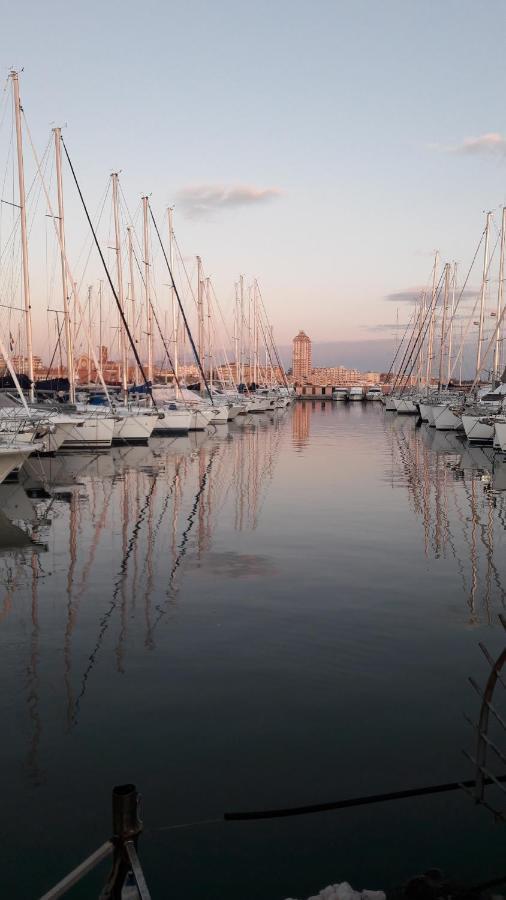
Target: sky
[[326, 148]]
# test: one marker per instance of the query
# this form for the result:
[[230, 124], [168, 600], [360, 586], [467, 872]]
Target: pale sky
[[326, 148]]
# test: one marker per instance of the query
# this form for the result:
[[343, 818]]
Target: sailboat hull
[[92, 433]]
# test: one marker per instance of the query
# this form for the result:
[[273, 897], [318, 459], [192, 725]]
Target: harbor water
[[279, 613]]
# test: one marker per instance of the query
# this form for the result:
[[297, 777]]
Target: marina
[[147, 608]]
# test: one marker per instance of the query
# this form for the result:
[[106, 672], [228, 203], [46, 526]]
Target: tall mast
[[236, 333], [121, 294], [200, 312], [69, 346], [175, 312], [209, 334], [450, 330], [483, 295], [90, 292], [500, 289], [255, 331], [241, 328], [24, 234], [432, 312], [133, 316], [149, 312], [443, 323]]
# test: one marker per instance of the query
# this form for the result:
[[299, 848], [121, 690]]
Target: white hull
[[390, 404], [92, 433], [236, 410], [424, 409], [201, 418], [12, 458], [405, 407], [220, 415], [173, 421], [500, 435], [445, 419], [476, 430], [134, 428]]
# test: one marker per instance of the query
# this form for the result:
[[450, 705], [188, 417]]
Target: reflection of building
[[300, 424], [301, 356]]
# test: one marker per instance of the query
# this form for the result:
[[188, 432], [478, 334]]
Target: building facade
[[301, 356]]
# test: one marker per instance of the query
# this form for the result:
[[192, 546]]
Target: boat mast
[[24, 234], [500, 289], [241, 329], [200, 314], [90, 292], [450, 332], [121, 295], [209, 337], [132, 296], [443, 323], [255, 331], [483, 295], [236, 333], [175, 313], [69, 344], [149, 312], [432, 313]]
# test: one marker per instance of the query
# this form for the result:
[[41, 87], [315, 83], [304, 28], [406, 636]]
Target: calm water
[[274, 615]]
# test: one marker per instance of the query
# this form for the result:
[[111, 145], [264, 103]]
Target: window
[[323, 391]]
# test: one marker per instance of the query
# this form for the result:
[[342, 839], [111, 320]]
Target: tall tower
[[301, 356]]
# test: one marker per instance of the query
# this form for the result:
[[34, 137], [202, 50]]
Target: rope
[[185, 320], [118, 304]]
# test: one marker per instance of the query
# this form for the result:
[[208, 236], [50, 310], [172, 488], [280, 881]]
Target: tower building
[[301, 356]]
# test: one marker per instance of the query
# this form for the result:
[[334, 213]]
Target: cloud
[[204, 199], [386, 326], [412, 295], [489, 144]]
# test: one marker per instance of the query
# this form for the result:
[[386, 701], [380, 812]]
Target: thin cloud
[[205, 199], [413, 295], [489, 144]]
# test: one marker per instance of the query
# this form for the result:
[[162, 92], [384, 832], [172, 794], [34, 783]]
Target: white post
[[200, 317], [209, 334], [24, 233], [132, 298], [500, 289], [450, 332], [149, 312], [432, 313], [69, 347], [241, 328], [483, 295], [174, 307], [121, 294], [443, 322]]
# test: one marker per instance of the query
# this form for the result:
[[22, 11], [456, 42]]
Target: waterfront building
[[301, 356]]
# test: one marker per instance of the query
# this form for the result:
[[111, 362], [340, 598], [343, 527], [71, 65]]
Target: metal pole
[[241, 328], [24, 234], [450, 332], [132, 297], [121, 295], [175, 312], [200, 315], [61, 228], [209, 336], [431, 326], [483, 295], [149, 316], [443, 323], [500, 289]]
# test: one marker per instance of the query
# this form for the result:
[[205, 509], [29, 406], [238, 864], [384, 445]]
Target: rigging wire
[[122, 315]]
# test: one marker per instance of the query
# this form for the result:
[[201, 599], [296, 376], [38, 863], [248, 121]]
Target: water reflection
[[456, 491]]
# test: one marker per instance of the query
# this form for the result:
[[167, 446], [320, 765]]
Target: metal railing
[[122, 846]]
